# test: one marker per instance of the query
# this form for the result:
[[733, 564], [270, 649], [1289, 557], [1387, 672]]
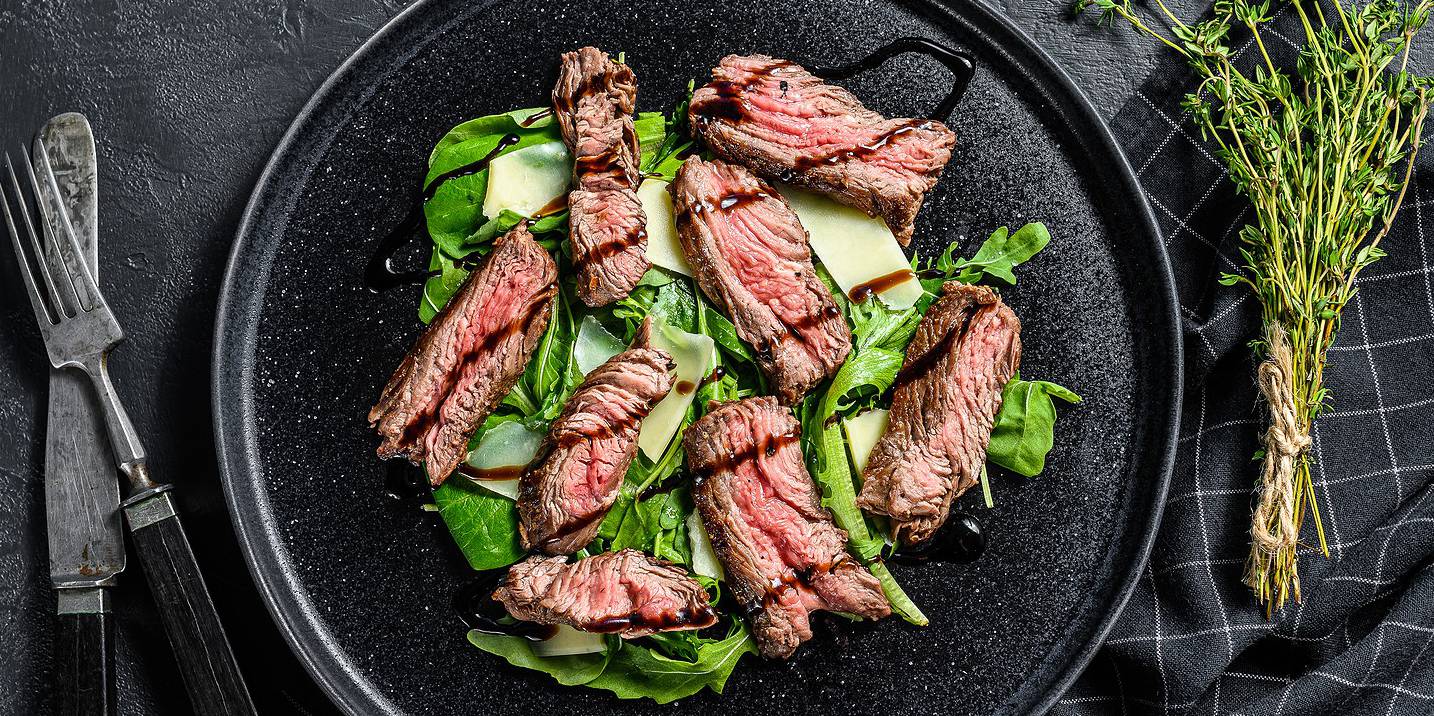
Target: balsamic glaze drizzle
[[405, 482], [961, 539], [478, 609], [379, 274], [962, 66]]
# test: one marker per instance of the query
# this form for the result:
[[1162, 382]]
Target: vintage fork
[[79, 330]]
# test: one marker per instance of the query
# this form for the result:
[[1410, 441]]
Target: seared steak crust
[[787, 124], [751, 258], [784, 557], [468, 358], [947, 395], [626, 593], [593, 103], [563, 498]]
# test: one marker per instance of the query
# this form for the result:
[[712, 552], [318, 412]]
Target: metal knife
[[86, 534]]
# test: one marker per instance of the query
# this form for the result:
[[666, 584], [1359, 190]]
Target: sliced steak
[[626, 593], [752, 259], [592, 105], [945, 402], [788, 125], [563, 498], [468, 358], [784, 557]]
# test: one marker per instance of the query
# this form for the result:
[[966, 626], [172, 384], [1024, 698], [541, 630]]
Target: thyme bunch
[[1325, 154]]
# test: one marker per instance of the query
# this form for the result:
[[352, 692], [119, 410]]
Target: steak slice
[[626, 593], [562, 500], [784, 557], [947, 394], [592, 105], [468, 358], [788, 125], [751, 257]]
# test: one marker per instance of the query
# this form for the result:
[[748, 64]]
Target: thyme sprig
[[1325, 154]]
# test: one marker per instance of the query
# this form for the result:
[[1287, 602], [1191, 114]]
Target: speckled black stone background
[[189, 99]]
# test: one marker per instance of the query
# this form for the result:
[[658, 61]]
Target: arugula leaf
[[634, 671], [667, 158], [552, 373], [1025, 426], [996, 258], [484, 525], [658, 526], [861, 379], [721, 330]]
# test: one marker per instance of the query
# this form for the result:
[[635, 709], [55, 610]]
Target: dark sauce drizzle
[[509, 472], [535, 117], [717, 374], [478, 609], [405, 482], [962, 66], [379, 274], [863, 291], [961, 539]]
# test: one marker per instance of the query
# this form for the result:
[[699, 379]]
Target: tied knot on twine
[[1274, 527]]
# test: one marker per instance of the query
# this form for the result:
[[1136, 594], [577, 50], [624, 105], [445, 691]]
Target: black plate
[[360, 583]]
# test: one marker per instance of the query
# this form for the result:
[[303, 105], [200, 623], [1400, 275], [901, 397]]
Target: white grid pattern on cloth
[[1191, 639]]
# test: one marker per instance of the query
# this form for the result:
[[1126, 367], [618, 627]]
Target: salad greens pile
[[654, 512]]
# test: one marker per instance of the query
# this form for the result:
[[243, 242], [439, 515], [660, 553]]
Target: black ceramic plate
[[360, 583]]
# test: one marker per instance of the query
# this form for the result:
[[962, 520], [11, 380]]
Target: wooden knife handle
[[84, 653], [201, 648]]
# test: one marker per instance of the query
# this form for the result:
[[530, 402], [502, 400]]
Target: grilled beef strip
[[752, 259], [784, 557], [468, 358], [946, 398], [788, 125], [564, 496], [592, 104], [626, 593]]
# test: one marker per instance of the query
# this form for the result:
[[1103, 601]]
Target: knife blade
[[82, 513], [86, 532]]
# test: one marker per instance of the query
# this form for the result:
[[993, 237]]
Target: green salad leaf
[[484, 525], [1025, 427], [629, 670], [635, 672], [574, 670]]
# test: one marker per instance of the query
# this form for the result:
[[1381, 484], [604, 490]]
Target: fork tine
[[37, 297], [77, 274]]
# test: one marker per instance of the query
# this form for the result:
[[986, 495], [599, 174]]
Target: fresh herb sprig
[[1325, 154]]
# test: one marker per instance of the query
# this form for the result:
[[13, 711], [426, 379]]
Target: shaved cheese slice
[[862, 432], [663, 248], [695, 355], [704, 558], [501, 488], [594, 345], [506, 445], [856, 249], [567, 641], [527, 180]]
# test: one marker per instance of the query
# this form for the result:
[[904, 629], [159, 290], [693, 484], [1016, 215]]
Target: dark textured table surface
[[187, 100]]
